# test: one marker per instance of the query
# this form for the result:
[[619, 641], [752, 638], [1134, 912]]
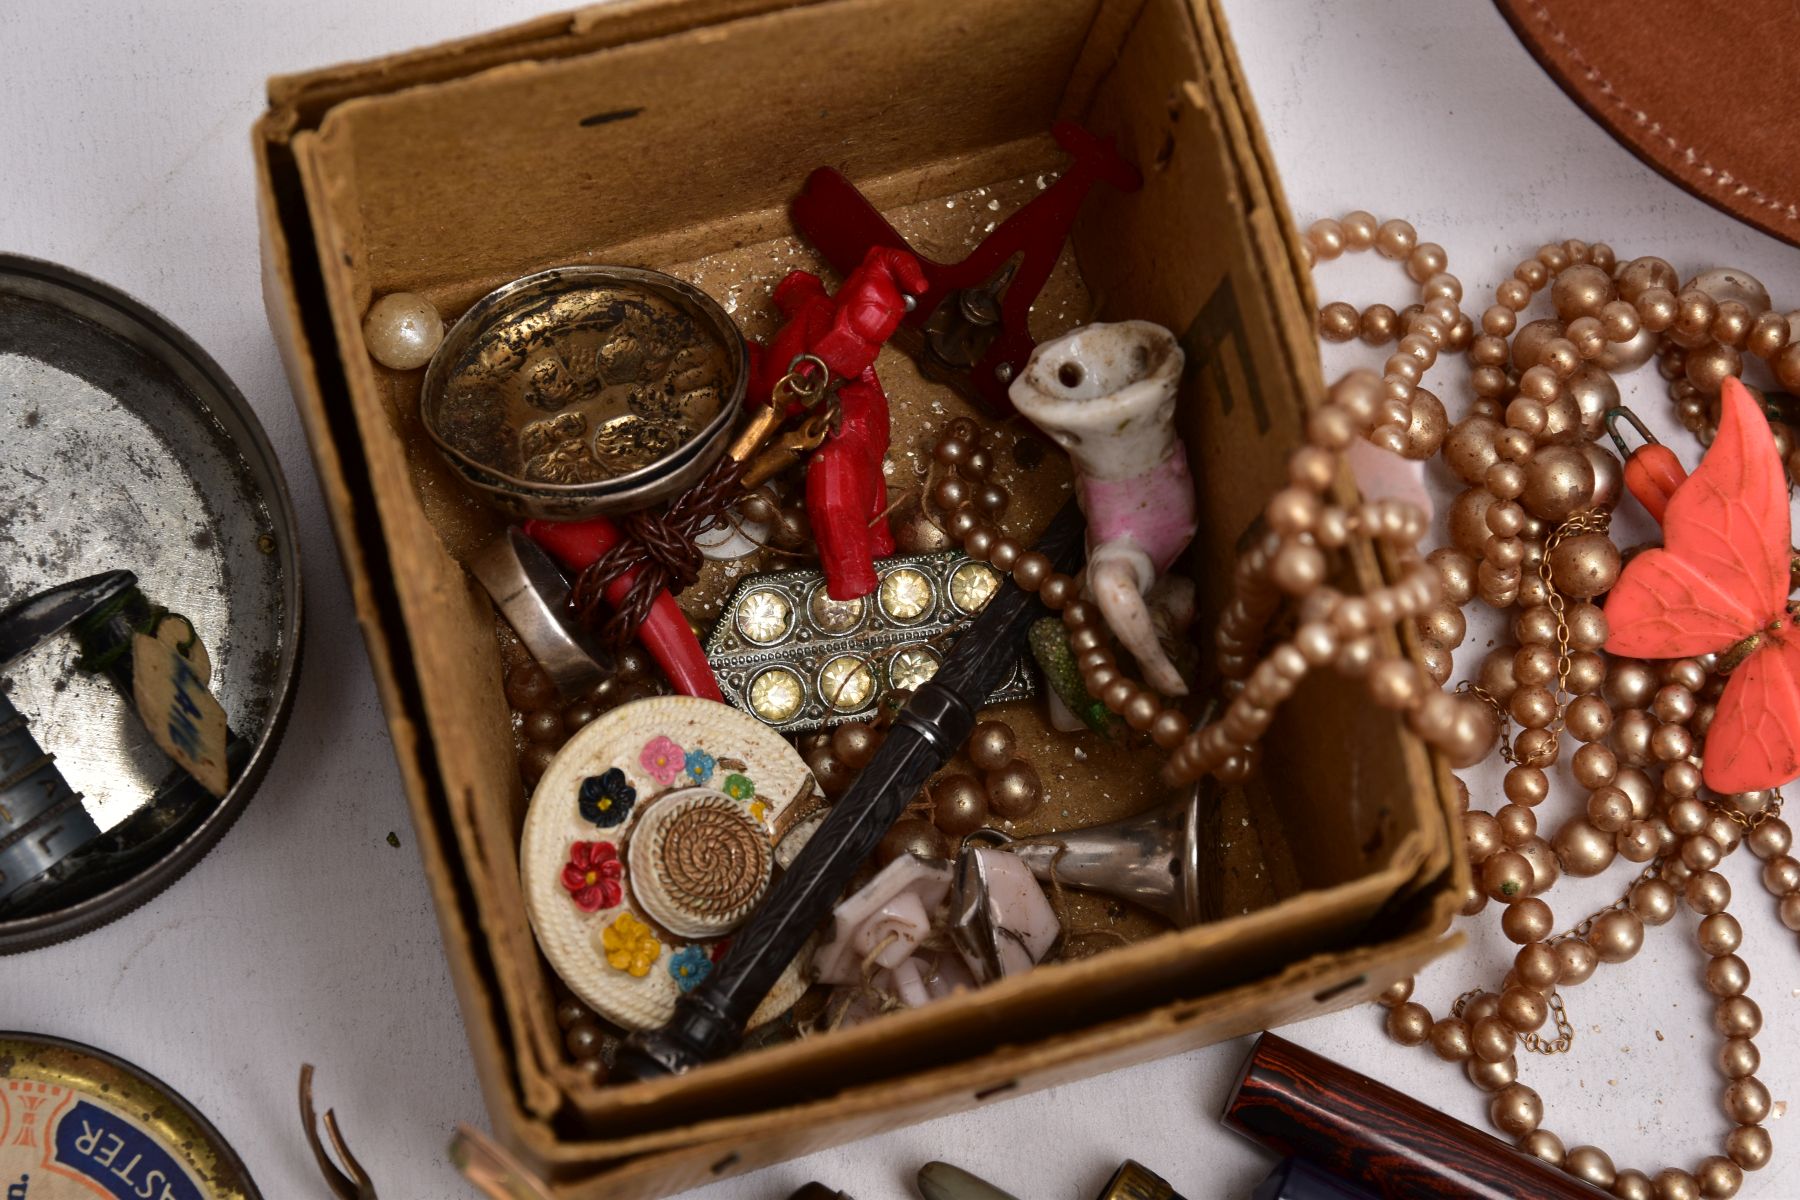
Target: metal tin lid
[[76, 1123], [128, 448]]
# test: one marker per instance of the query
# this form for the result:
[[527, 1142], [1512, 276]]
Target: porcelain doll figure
[[1106, 394], [846, 491]]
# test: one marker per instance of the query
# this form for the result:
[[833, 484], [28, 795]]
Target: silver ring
[[532, 595]]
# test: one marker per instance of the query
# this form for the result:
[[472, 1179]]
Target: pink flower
[[663, 760], [592, 875]]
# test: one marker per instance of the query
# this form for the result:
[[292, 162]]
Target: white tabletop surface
[[124, 135]]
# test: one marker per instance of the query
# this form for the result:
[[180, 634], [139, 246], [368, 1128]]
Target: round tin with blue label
[[77, 1123]]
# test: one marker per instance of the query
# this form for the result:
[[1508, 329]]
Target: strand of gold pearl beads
[[1409, 420], [1514, 446]]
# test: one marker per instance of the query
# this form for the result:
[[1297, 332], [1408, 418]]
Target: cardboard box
[[672, 135]]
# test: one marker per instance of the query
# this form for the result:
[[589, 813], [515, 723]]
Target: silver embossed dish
[[581, 391]]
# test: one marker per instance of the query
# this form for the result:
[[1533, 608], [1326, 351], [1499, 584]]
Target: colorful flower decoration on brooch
[[699, 767], [759, 809], [592, 875], [606, 799], [630, 945], [739, 787], [662, 759], [689, 967]]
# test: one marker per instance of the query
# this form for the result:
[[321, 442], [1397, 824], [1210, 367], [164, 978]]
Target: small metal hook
[[1620, 412], [356, 1185]]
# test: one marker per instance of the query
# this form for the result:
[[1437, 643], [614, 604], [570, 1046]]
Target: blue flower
[[605, 800], [689, 966], [699, 766]]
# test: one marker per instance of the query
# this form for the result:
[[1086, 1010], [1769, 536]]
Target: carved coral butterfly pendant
[[1719, 585]]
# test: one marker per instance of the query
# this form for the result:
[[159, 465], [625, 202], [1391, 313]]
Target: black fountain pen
[[709, 1021]]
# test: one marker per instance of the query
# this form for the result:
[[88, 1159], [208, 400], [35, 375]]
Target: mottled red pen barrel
[[1297, 1103]]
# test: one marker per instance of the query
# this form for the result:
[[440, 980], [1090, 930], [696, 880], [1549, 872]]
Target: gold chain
[[1463, 1001], [1469, 687], [1652, 870], [1593, 520], [1750, 822], [1565, 1032]]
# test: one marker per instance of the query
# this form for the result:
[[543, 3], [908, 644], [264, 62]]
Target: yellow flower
[[758, 810], [630, 945]]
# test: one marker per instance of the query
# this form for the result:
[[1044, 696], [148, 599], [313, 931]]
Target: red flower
[[592, 875]]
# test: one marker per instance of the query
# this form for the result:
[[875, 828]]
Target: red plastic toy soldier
[[846, 492]]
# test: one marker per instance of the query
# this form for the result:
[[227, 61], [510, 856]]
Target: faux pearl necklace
[[1538, 501], [1529, 533]]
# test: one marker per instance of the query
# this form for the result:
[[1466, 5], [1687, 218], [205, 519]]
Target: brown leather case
[[1703, 93]]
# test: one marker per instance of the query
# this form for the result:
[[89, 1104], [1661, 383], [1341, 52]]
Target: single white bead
[[402, 330]]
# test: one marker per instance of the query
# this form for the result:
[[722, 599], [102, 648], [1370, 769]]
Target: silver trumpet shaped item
[[1152, 859]]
